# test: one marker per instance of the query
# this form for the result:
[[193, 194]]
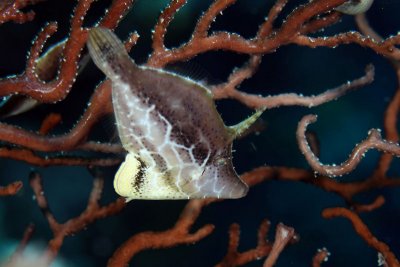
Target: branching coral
[[10, 189], [92, 212], [50, 77]]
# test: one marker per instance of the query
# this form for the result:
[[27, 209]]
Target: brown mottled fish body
[[178, 146]]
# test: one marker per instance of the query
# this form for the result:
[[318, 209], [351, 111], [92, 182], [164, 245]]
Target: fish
[[46, 70], [354, 7], [177, 144]]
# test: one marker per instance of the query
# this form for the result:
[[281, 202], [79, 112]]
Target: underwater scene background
[[290, 69]]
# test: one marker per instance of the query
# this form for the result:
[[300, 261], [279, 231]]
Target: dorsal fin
[[193, 70], [108, 52]]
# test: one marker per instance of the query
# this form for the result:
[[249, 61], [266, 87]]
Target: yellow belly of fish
[[152, 183]]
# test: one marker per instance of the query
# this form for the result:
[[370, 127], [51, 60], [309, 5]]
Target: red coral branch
[[235, 258], [345, 190], [11, 189], [100, 106], [10, 10], [267, 27], [48, 124], [228, 91], [178, 234], [321, 256], [319, 23], [390, 131], [202, 42], [374, 140], [205, 21], [363, 231], [392, 110], [114, 14], [34, 159], [29, 84], [377, 203], [384, 47], [163, 21], [283, 236], [41, 82], [92, 213]]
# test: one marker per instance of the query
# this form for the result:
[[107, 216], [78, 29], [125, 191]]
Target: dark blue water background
[[341, 124]]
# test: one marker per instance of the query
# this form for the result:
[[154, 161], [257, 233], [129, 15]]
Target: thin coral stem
[[365, 28], [47, 64], [321, 256], [92, 213], [377, 203], [391, 133], [374, 140], [179, 234], [36, 49], [59, 88], [383, 48], [284, 234], [236, 43], [115, 13], [30, 157], [248, 69], [235, 258], [303, 14], [253, 101], [48, 124], [10, 10], [267, 27], [345, 190], [11, 189], [162, 24], [363, 231], [236, 78], [204, 23], [313, 142], [100, 106], [35, 181], [320, 23], [392, 110]]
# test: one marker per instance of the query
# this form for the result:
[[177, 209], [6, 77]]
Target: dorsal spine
[[108, 53]]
